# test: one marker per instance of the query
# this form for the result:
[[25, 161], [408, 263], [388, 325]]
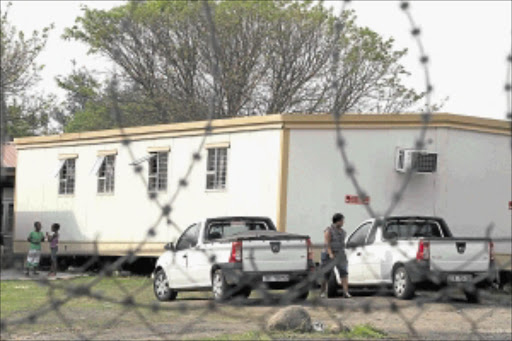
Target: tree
[[21, 114], [273, 57], [91, 104]]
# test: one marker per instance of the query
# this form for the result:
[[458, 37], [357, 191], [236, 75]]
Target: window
[[224, 229], [106, 174], [358, 238], [2, 218], [411, 229], [189, 238], [216, 168], [67, 177], [10, 217], [157, 180]]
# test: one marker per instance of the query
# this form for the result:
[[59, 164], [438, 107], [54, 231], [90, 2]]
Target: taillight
[[236, 252], [423, 250], [491, 251]]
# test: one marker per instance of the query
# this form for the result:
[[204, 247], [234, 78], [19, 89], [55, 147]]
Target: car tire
[[219, 286], [332, 286], [472, 295], [403, 288], [161, 287]]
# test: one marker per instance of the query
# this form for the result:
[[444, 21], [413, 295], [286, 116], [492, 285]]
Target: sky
[[467, 43]]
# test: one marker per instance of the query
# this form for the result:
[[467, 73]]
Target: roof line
[[277, 121]]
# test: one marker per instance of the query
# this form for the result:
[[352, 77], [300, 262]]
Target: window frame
[[372, 234], [191, 227], [65, 189], [365, 240], [219, 171], [108, 179], [160, 174]]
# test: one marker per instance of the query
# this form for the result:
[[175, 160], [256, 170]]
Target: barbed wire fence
[[56, 303]]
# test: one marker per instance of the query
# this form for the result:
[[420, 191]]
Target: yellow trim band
[[164, 149], [68, 156], [217, 145], [282, 195], [107, 152], [153, 249], [254, 123]]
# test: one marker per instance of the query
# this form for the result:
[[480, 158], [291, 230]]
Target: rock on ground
[[293, 318], [338, 328]]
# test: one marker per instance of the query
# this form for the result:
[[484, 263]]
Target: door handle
[[359, 253], [185, 256]]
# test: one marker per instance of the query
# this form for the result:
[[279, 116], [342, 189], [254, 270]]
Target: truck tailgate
[[459, 255], [274, 255]]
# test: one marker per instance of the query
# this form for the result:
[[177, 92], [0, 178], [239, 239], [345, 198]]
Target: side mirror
[[169, 247]]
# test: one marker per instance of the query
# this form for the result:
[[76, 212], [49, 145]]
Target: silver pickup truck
[[408, 252], [231, 256]]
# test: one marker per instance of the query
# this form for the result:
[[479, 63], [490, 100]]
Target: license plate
[[459, 278], [276, 278]]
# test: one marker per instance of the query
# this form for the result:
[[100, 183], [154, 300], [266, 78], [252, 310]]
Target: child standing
[[35, 238], [54, 247]]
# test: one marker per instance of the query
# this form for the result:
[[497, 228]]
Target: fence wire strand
[[127, 302]]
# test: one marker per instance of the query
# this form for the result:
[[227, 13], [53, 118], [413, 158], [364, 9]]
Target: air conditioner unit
[[421, 161]]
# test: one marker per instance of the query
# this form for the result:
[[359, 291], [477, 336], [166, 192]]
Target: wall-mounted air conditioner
[[421, 161]]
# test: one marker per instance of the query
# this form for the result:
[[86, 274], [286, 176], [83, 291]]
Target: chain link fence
[[61, 293]]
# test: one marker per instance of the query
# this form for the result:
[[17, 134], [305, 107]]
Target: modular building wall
[[470, 189], [286, 167], [120, 221]]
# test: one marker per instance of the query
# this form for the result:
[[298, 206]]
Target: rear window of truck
[[224, 229], [412, 229]]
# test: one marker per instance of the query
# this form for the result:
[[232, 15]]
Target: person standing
[[334, 237], [54, 247], [35, 238]]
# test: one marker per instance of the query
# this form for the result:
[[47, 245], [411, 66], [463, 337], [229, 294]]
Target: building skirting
[[101, 248]]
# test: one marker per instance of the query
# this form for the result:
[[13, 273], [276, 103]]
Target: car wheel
[[472, 295], [332, 286], [403, 288], [219, 286], [161, 287]]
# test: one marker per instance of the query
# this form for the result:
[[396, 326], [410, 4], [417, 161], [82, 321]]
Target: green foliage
[[273, 57], [22, 113]]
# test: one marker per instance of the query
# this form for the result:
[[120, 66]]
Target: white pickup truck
[[410, 252], [231, 256]]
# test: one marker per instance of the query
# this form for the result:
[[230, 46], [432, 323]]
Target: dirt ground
[[196, 316]]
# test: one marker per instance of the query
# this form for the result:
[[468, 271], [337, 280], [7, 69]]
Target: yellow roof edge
[[391, 120]]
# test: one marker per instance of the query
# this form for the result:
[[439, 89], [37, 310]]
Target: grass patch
[[19, 299], [89, 315], [365, 331], [24, 296]]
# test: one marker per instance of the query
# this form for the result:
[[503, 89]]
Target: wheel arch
[[214, 268], [158, 268], [394, 268]]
